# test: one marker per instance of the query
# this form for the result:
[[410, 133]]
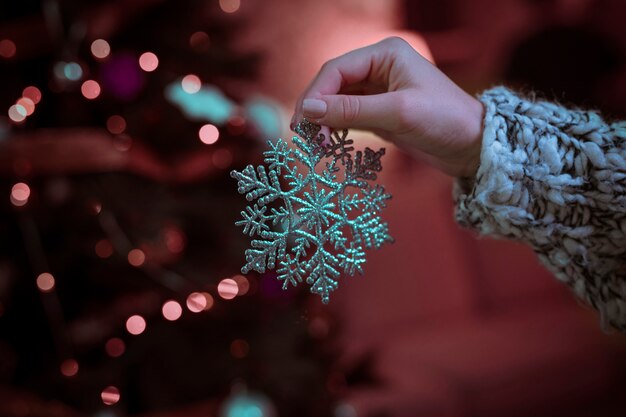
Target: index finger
[[359, 65]]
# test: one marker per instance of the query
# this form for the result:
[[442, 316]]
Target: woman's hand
[[390, 89]]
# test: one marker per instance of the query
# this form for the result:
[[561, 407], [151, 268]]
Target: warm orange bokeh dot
[[110, 395], [20, 194], [100, 48], [104, 248], [32, 93], [230, 6], [28, 105], [90, 89], [136, 257], [135, 325], [45, 282], [243, 285], [17, 113], [7, 48], [172, 310], [200, 41], [69, 367], [199, 301], [148, 61], [209, 134], [115, 347], [116, 124], [239, 348], [191, 83], [227, 289]]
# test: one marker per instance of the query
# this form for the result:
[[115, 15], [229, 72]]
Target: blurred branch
[[85, 150]]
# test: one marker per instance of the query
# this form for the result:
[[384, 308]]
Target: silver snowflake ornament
[[316, 209]]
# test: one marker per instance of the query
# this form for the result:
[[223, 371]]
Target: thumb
[[340, 111]]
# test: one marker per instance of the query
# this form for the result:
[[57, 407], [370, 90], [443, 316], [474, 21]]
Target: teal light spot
[[245, 409], [264, 114], [208, 104], [72, 71]]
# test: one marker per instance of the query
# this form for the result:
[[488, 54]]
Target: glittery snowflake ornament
[[316, 209]]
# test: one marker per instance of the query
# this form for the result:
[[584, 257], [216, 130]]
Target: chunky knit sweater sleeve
[[554, 178]]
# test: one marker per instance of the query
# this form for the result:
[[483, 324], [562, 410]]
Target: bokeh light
[[90, 89], [135, 325], [199, 41], [174, 239], [17, 113], [20, 194], [116, 124], [172, 310], [72, 71], [115, 347], [239, 348], [104, 248], [230, 6], [148, 61], [28, 104], [243, 285], [199, 301], [136, 257], [222, 158], [45, 282], [7, 48], [123, 142], [209, 134], [191, 83], [32, 93], [110, 395], [100, 48], [69, 367], [227, 289]]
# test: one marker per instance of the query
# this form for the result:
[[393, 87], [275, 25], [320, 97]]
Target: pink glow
[[28, 104], [230, 6], [17, 113], [199, 301], [115, 347], [100, 48], [172, 310], [148, 61], [20, 194], [7, 48], [69, 367], [110, 395], [209, 134], [136, 325], [136, 257], [116, 124], [32, 93], [227, 289], [104, 249], [191, 83], [90, 89], [45, 282], [243, 284]]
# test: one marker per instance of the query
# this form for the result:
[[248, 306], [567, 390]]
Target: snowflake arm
[[316, 228]]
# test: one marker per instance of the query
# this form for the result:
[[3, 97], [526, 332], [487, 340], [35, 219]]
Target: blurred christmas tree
[[118, 251]]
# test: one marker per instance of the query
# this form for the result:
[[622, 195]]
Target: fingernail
[[312, 107]]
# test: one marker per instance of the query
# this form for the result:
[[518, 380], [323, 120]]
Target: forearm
[[555, 179]]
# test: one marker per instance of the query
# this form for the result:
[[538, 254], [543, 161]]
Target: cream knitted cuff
[[554, 178]]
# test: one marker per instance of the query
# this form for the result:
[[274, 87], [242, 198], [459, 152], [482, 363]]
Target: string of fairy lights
[[198, 301]]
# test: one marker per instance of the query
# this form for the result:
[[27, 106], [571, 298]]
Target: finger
[[379, 111], [353, 67]]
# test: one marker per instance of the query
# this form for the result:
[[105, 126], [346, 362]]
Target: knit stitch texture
[[555, 179]]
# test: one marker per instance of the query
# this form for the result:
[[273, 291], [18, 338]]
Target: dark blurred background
[[119, 286]]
